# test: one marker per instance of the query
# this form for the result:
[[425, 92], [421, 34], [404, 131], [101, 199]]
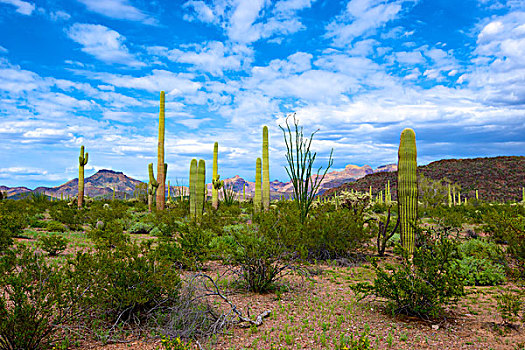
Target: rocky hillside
[[496, 178]]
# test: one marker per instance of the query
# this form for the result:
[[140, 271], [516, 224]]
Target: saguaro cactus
[[407, 188], [216, 182], [161, 175], [266, 171], [152, 186], [200, 187], [82, 160], [449, 199], [192, 189], [257, 196]]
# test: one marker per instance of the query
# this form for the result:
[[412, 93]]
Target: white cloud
[[59, 15], [202, 12], [362, 18], [118, 9], [22, 7], [212, 57], [173, 83], [103, 43], [3, 49]]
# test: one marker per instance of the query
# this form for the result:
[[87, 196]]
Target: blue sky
[[89, 72]]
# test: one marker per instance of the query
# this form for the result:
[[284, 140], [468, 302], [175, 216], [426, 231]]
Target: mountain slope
[[496, 178]]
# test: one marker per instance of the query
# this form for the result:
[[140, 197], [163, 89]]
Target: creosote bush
[[422, 285], [53, 244], [35, 299]]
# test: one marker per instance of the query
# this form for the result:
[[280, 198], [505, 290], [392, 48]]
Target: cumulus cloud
[[22, 7], [103, 43], [362, 18], [118, 9]]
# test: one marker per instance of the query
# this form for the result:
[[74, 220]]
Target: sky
[[89, 72]]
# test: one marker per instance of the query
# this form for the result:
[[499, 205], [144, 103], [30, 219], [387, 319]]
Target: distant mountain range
[[496, 178], [104, 182]]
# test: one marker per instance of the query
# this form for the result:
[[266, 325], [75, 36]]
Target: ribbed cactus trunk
[[192, 188], [257, 195], [449, 199], [201, 189], [82, 160], [152, 186], [244, 191], [215, 174], [161, 175], [266, 171], [407, 189]]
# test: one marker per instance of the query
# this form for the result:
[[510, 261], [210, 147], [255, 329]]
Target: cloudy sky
[[89, 72]]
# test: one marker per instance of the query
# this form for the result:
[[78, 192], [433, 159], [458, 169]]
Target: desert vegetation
[[406, 263]]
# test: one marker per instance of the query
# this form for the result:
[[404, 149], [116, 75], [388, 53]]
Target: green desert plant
[[265, 171], [82, 161], [407, 192], [300, 161], [161, 166], [423, 282], [53, 244]]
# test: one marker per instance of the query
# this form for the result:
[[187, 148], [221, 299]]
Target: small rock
[[435, 327]]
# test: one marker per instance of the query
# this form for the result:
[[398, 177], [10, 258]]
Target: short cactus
[[407, 191], [257, 196], [192, 189], [152, 186]]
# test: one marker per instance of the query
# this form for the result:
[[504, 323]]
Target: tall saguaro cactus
[[265, 171], [192, 189], [407, 188], [200, 188], [257, 196], [161, 175], [152, 186], [82, 160]]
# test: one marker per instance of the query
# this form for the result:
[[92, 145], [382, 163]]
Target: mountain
[[101, 183], [104, 181], [496, 178]]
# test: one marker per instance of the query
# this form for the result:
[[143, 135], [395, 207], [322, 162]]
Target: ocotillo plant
[[257, 196], [407, 188], [200, 188], [192, 189], [82, 160], [216, 182], [266, 171], [161, 175], [152, 186]]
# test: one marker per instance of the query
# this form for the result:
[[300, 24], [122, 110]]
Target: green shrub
[[333, 234], [12, 220], [481, 249], [34, 301], [69, 216], [481, 272], [108, 235], [510, 305], [260, 259], [140, 228], [129, 283], [55, 226], [421, 285], [53, 244]]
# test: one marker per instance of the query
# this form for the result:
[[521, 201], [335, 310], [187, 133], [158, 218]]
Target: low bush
[[53, 244], [421, 285], [55, 226], [13, 220], [34, 301], [481, 272], [261, 259], [108, 235], [128, 284]]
